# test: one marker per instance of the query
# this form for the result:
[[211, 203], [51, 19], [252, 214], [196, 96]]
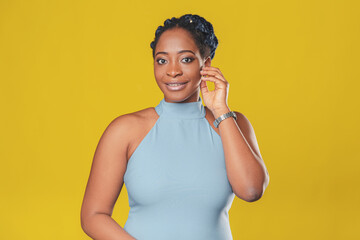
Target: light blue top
[[176, 179]]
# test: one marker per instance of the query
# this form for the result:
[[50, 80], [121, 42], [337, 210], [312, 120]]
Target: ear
[[207, 62]]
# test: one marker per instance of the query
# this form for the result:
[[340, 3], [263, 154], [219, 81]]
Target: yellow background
[[68, 68]]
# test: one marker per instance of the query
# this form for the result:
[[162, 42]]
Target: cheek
[[193, 72], [157, 73]]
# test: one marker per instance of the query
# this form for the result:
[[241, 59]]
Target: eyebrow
[[178, 52]]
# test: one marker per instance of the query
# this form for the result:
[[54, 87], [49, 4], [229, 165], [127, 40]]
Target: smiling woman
[[177, 66], [182, 162], [180, 49]]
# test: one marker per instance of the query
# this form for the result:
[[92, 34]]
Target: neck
[[192, 98], [181, 110]]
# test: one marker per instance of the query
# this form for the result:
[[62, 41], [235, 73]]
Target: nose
[[173, 70]]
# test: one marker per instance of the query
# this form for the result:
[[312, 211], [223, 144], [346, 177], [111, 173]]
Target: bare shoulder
[[134, 126], [242, 119], [119, 135], [110, 162], [128, 119], [129, 123], [140, 124], [243, 122], [248, 131]]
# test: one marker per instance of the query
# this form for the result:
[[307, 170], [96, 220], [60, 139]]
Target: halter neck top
[[176, 179]]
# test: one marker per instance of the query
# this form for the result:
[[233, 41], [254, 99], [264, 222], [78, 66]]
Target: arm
[[245, 168], [105, 183]]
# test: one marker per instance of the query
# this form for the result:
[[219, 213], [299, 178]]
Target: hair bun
[[201, 30]]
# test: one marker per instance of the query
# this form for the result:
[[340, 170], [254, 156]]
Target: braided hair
[[201, 30]]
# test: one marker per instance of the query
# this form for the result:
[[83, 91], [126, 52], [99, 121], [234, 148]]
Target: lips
[[176, 86], [175, 83]]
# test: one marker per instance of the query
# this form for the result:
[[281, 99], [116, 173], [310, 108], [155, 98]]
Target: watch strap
[[224, 116]]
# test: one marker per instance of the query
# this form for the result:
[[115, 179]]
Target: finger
[[215, 69], [212, 73], [214, 77], [203, 87], [214, 80]]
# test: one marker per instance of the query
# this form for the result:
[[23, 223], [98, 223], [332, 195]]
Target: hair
[[201, 30]]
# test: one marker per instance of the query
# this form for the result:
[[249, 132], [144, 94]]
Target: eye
[[158, 61], [190, 59]]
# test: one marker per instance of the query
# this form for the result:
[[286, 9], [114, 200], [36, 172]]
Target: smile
[[176, 86]]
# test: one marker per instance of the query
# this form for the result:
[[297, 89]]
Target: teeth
[[173, 85]]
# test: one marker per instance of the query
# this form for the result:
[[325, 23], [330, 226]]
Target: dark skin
[[177, 58], [170, 66], [246, 170]]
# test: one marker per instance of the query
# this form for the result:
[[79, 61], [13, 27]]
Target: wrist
[[218, 112]]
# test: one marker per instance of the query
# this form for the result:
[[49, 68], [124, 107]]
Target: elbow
[[85, 218], [251, 195], [87, 223], [255, 193], [83, 223], [252, 192]]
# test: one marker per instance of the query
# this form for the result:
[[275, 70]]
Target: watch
[[224, 116]]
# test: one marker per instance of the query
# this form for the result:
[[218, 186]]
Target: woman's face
[[177, 60]]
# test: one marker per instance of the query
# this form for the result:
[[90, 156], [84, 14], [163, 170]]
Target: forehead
[[174, 40]]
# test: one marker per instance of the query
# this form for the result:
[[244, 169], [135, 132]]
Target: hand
[[215, 100]]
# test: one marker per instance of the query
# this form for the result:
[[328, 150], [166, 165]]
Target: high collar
[[181, 110]]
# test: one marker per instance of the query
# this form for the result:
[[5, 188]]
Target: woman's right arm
[[105, 183]]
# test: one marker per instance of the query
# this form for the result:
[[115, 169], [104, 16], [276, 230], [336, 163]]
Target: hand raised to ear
[[215, 100]]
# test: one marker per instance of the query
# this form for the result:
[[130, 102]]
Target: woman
[[181, 168]]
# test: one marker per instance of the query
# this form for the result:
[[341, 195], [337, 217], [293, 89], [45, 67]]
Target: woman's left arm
[[245, 168]]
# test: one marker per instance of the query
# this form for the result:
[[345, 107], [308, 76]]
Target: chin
[[179, 96], [176, 97]]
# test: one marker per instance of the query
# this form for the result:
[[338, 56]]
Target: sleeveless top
[[176, 179]]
